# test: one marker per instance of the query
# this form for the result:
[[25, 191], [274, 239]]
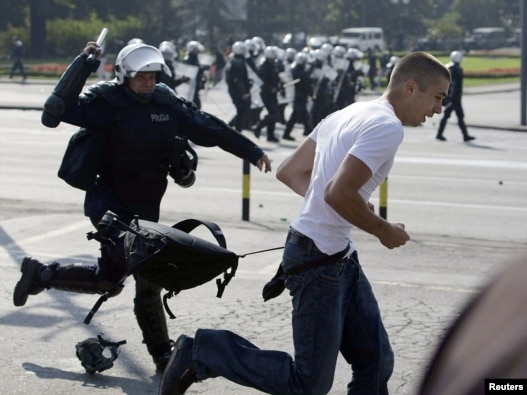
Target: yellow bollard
[[246, 189], [383, 199]]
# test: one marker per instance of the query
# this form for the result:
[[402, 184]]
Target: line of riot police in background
[[315, 82], [261, 77]]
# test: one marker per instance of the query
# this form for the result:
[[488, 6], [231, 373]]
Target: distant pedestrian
[[383, 62], [453, 101], [102, 74], [219, 66], [16, 56], [372, 70]]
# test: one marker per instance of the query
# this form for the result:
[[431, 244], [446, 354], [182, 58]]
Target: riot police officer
[[194, 48], [269, 73], [303, 89], [239, 86], [169, 52], [453, 101], [141, 120]]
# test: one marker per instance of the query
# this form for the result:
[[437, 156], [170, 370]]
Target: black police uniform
[[239, 85], [140, 132], [303, 90], [269, 74], [193, 60], [453, 103], [322, 96]]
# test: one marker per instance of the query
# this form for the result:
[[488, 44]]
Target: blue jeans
[[334, 310]]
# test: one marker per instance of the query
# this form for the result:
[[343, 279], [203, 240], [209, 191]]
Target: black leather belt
[[300, 240]]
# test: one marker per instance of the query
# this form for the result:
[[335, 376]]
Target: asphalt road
[[464, 206]]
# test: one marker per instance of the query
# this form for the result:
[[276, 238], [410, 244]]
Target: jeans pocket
[[332, 272], [294, 283]]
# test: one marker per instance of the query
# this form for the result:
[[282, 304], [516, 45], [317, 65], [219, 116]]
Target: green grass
[[481, 63]]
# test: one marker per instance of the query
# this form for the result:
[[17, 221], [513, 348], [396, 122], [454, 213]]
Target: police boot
[[37, 276], [29, 283], [152, 321]]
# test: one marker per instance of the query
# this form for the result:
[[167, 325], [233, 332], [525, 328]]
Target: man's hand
[[393, 235], [92, 48], [264, 163]]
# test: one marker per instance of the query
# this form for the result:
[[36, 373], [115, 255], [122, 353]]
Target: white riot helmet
[[339, 51], [393, 61], [168, 50], [290, 54], [301, 58], [327, 48], [195, 47], [239, 48], [456, 56], [260, 42], [319, 55], [354, 54], [136, 58], [135, 41], [251, 46], [270, 52]]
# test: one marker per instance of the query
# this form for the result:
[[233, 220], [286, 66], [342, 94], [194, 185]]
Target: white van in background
[[362, 38]]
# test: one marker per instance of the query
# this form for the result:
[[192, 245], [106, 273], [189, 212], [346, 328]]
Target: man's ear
[[410, 86]]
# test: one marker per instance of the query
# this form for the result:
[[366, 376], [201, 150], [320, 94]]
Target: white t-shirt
[[371, 132]]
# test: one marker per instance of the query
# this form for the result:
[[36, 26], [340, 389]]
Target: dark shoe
[[440, 138], [29, 283], [468, 138], [272, 139], [290, 138], [257, 131], [179, 374]]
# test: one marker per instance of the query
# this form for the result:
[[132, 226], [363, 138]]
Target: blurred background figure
[[389, 67], [194, 48], [135, 41], [453, 101], [487, 341], [219, 66], [269, 73], [102, 74], [17, 53], [239, 86], [170, 55], [371, 57], [302, 72]]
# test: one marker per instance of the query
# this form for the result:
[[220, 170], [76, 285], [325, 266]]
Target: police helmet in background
[[135, 41], [270, 52], [456, 56], [339, 51], [301, 58], [290, 54], [239, 48], [168, 50], [195, 47], [393, 60], [354, 54]]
